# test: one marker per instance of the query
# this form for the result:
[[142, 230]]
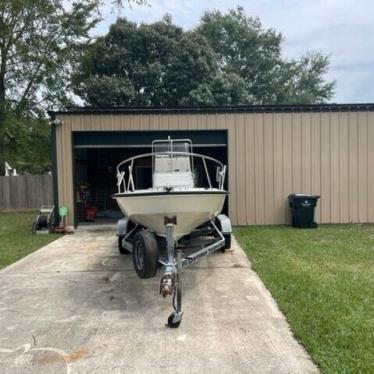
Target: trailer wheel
[[227, 238], [174, 324], [227, 242], [121, 248], [145, 254]]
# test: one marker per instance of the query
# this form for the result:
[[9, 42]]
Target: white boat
[[191, 208], [174, 194], [158, 220]]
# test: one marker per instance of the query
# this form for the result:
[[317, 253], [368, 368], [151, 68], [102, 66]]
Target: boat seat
[[173, 179]]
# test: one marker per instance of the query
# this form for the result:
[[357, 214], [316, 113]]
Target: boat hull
[[191, 209]]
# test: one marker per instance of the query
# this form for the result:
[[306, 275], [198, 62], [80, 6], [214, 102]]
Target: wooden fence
[[25, 192]]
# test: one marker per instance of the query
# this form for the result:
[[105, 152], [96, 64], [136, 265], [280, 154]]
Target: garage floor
[[77, 306]]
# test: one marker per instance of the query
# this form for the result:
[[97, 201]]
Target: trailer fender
[[224, 224], [122, 226]]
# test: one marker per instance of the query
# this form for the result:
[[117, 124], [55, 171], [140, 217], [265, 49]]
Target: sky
[[342, 29]]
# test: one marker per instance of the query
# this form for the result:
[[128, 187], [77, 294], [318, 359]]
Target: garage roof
[[219, 109]]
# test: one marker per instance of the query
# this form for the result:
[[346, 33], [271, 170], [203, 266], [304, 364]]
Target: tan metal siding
[[249, 169], [232, 175], [362, 167], [268, 167], [334, 170], [370, 167], [240, 165], [287, 163], [353, 167], [270, 155], [278, 169], [343, 167]]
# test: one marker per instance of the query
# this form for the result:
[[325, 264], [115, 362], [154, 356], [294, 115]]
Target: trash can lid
[[304, 195]]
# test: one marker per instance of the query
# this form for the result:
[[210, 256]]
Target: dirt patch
[[76, 355], [49, 357]]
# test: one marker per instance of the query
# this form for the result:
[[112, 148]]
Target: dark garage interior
[[96, 156]]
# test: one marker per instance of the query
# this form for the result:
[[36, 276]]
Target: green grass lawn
[[323, 281], [16, 239]]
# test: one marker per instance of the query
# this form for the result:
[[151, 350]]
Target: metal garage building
[[271, 151]]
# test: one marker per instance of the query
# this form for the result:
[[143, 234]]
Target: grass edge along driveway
[[323, 281], [16, 239]]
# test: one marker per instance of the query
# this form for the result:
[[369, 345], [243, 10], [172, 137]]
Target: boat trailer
[[173, 256]]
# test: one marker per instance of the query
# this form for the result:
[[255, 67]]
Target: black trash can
[[303, 210]]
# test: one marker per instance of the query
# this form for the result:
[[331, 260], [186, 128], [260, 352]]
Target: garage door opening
[[97, 155]]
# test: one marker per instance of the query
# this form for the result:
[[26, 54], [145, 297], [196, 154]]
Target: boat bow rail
[[125, 178]]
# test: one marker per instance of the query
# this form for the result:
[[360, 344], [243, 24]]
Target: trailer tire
[[227, 236], [121, 248], [145, 254], [227, 242]]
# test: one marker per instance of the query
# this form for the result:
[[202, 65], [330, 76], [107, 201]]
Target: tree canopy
[[148, 65], [242, 46], [41, 42], [25, 142], [228, 59]]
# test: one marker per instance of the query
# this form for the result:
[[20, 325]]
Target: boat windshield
[[167, 162]]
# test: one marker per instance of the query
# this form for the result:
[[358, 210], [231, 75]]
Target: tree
[[229, 59], [302, 81], [25, 142], [147, 65], [242, 46], [40, 44], [222, 89]]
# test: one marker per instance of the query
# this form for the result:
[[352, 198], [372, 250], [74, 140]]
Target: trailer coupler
[[166, 285]]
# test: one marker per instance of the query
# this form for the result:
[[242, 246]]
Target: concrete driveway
[[77, 306]]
